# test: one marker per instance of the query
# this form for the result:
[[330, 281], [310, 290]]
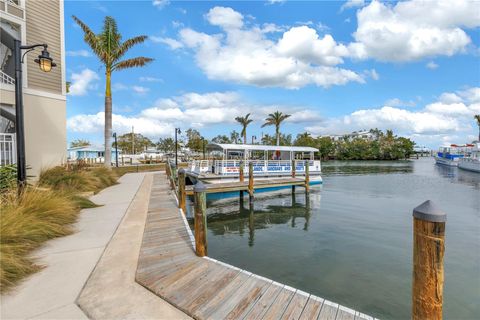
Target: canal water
[[350, 240]]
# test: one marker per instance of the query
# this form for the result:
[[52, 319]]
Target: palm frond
[[125, 46], [131, 63], [110, 39], [477, 117], [91, 38]]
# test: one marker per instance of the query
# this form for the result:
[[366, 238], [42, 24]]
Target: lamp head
[[44, 61]]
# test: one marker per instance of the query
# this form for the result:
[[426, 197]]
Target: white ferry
[[268, 162], [450, 156], [472, 162]]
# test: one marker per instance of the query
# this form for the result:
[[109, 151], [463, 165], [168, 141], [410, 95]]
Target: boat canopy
[[257, 147]]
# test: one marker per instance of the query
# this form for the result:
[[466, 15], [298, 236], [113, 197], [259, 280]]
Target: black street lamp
[[177, 131], [116, 149], [45, 63]]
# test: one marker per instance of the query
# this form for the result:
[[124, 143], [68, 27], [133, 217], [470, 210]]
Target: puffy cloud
[[443, 118], [160, 3], [82, 82], [352, 4], [188, 110], [172, 43], [246, 55], [411, 30]]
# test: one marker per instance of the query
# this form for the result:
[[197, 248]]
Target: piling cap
[[181, 171], [199, 187], [428, 211]]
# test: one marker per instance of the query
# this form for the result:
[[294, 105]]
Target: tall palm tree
[[244, 121], [109, 48], [275, 119]]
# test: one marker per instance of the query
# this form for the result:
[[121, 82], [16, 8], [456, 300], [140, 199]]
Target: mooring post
[[250, 181], [428, 250], [200, 219], [181, 191], [307, 176], [293, 168], [241, 173]]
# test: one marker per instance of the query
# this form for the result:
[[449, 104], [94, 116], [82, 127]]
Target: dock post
[[181, 191], [251, 225], [307, 176], [428, 250], [250, 181], [241, 173], [200, 219], [293, 172]]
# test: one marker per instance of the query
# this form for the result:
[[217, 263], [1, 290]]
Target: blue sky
[[334, 66]]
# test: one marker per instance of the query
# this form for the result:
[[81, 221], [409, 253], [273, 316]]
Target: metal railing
[[7, 149], [5, 78]]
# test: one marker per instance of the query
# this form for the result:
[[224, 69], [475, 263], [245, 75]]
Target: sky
[[335, 67]]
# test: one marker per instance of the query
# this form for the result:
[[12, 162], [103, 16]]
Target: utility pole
[[133, 141]]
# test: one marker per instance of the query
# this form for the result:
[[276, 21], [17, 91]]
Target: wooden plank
[[280, 304], [345, 313], [296, 305], [362, 316], [312, 308], [240, 303], [329, 311], [261, 307], [224, 294]]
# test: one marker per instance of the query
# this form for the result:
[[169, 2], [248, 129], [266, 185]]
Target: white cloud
[[431, 65], [445, 117], [140, 90], [412, 30], [246, 55], [270, 2], [117, 86], [352, 4], [78, 53], [395, 102], [150, 79], [82, 82], [160, 3], [172, 43], [188, 110]]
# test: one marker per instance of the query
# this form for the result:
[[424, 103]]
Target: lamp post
[[177, 131], [116, 149], [45, 63]]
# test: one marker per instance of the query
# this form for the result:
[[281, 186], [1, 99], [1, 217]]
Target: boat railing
[[232, 167]]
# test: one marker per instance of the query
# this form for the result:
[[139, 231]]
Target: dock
[[205, 288]]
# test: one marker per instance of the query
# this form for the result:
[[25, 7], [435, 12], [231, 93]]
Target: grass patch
[[41, 213]]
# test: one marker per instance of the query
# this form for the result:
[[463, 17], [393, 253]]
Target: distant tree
[[276, 119], [221, 139], [235, 137], [166, 145], [244, 121], [326, 147], [79, 143], [285, 140], [477, 117], [305, 140], [109, 48], [194, 140], [132, 143]]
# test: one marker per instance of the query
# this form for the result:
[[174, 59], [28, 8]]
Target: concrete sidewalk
[[52, 292]]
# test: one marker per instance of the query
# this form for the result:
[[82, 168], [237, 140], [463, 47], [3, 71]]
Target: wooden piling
[[123, 161], [250, 180], [241, 173], [428, 251], [200, 219], [293, 168], [307, 176], [182, 195]]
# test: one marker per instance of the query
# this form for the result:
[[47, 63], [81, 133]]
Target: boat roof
[[258, 147]]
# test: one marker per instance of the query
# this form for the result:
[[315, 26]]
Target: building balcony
[[14, 8]]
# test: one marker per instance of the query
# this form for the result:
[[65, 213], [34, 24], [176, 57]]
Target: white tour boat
[[268, 162], [472, 162], [450, 156]]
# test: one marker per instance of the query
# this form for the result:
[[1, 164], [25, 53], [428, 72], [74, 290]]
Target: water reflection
[[366, 167]]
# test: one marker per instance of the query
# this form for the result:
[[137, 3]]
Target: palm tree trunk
[[245, 138], [277, 133], [108, 120]]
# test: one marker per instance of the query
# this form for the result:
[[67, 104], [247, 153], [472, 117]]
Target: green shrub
[[8, 177]]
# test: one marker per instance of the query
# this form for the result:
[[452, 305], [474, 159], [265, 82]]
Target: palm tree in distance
[[477, 117], [244, 121], [275, 119], [109, 48]]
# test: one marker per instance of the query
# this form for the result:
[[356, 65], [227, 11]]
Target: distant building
[[363, 134], [89, 152]]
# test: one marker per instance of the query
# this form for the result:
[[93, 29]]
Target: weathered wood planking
[[205, 288]]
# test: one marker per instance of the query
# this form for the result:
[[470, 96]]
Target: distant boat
[[472, 162], [450, 156]]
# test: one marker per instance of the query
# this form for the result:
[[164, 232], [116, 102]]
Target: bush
[[8, 177], [77, 180]]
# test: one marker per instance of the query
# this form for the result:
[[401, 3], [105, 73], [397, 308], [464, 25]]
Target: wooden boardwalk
[[205, 288], [243, 186]]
